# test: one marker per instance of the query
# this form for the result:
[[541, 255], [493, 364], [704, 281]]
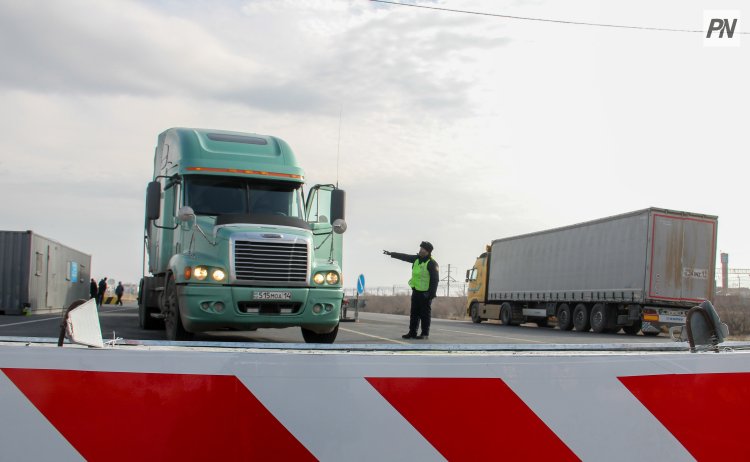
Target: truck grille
[[270, 262]]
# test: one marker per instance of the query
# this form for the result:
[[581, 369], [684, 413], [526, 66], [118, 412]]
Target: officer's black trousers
[[421, 310]]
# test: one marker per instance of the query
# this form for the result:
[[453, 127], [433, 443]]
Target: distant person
[[102, 289], [93, 292], [425, 275], [119, 291]]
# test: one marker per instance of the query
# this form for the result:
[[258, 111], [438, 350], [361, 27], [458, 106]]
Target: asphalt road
[[122, 322]]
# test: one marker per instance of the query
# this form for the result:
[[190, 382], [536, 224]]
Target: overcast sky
[[455, 128]]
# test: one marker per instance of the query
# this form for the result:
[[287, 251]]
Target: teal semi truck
[[232, 242]]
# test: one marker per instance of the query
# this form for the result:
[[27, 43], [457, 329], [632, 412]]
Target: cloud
[[92, 47], [380, 60]]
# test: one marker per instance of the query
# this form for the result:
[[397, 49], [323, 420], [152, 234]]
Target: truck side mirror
[[339, 226], [467, 275], [338, 205], [153, 199]]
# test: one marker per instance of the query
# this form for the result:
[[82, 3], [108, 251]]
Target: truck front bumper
[[207, 307]]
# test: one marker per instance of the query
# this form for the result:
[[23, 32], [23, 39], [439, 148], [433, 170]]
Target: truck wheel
[[506, 314], [599, 318], [564, 317], [145, 320], [581, 320], [172, 321], [474, 311], [634, 329], [314, 337], [144, 314], [140, 292]]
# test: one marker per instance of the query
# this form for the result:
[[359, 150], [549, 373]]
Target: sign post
[[360, 290]]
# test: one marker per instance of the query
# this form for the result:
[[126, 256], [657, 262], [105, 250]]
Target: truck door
[[698, 255], [681, 258], [320, 212]]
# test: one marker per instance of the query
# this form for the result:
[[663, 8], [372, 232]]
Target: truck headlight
[[319, 278], [200, 273], [332, 277], [218, 274]]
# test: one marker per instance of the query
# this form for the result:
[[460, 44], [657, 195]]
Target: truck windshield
[[214, 195]]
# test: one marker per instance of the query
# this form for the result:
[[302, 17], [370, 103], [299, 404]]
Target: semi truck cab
[[232, 243]]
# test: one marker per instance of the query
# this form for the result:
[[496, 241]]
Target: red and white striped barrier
[[140, 403]]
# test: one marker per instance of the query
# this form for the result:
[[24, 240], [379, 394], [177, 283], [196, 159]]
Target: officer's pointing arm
[[403, 256]]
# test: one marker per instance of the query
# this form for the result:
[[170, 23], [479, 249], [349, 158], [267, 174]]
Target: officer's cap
[[426, 245]]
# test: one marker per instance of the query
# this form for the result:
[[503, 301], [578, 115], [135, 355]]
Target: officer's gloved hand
[[385, 252]]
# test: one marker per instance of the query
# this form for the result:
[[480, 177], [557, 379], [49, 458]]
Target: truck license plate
[[272, 295], [672, 319]]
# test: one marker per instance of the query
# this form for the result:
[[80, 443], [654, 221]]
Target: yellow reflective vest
[[420, 277]]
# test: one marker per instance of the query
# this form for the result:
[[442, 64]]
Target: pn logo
[[721, 28]]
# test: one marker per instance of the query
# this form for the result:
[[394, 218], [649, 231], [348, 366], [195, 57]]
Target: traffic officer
[[425, 275]]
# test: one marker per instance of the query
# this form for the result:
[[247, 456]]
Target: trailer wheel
[[172, 321], [474, 311], [564, 317], [314, 337], [599, 318], [634, 329], [581, 320], [506, 314]]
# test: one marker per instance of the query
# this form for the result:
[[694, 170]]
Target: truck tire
[[172, 321], [474, 312], [634, 329], [314, 337], [599, 318], [145, 320], [581, 320], [506, 314], [564, 317], [144, 314]]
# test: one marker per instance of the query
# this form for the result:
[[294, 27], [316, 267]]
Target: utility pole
[[448, 280]]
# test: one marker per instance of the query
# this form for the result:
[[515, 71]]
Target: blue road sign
[[361, 284]]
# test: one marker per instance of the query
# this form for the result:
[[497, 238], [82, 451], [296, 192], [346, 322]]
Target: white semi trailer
[[637, 271]]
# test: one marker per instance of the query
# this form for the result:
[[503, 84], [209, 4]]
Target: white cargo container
[[640, 270]]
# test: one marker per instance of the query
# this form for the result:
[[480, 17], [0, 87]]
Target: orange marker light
[[244, 172]]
